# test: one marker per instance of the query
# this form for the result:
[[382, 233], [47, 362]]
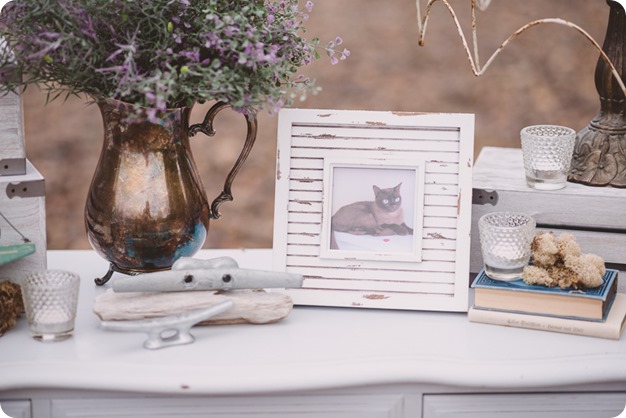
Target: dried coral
[[11, 305], [567, 245], [558, 261], [544, 250]]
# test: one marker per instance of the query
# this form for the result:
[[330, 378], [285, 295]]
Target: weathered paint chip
[[375, 297]]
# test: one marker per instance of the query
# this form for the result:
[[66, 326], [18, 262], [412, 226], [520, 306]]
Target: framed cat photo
[[374, 208]]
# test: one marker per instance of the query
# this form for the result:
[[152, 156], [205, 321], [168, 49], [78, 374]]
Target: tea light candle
[[505, 239]]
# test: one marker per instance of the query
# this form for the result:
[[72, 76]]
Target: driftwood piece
[[250, 306]]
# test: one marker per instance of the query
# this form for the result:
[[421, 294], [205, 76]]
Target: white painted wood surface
[[325, 362], [443, 142], [584, 208], [11, 135], [28, 215]]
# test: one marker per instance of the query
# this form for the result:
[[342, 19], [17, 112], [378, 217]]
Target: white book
[[611, 328]]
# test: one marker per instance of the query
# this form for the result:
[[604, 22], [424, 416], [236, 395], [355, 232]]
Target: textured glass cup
[[547, 151], [50, 298], [505, 239]]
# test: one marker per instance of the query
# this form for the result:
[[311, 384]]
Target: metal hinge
[[32, 188], [484, 197], [12, 166]]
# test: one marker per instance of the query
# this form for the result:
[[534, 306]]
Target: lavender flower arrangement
[[161, 54]]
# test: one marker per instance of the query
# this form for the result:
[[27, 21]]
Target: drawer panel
[[535, 405], [16, 409], [336, 406]]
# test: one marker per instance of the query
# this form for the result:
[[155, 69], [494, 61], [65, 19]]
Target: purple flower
[[191, 55], [151, 115], [166, 53]]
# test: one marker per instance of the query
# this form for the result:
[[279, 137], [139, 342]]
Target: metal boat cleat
[[191, 279], [184, 263], [169, 330]]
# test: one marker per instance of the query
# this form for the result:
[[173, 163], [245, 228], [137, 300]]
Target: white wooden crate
[[22, 203], [12, 154], [595, 215]]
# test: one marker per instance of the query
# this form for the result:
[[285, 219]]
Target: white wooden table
[[318, 362]]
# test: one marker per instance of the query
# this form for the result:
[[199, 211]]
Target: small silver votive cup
[[50, 299], [547, 151], [505, 239]]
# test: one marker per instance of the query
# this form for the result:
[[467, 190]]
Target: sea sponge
[[11, 305], [558, 261], [545, 251]]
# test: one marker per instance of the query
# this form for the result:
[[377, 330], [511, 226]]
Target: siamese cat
[[383, 216]]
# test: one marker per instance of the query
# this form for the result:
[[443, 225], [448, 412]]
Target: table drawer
[[310, 406], [525, 405], [16, 409]]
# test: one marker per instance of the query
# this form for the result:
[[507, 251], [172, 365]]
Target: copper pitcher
[[147, 206]]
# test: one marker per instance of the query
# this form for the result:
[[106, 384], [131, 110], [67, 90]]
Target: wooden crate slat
[[12, 149]]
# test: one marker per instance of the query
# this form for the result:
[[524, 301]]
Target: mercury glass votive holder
[[505, 239], [547, 151], [50, 299]]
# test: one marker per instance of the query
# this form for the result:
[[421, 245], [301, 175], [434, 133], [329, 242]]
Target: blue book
[[519, 297]]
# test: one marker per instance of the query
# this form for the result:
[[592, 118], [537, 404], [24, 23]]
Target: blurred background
[[545, 76]]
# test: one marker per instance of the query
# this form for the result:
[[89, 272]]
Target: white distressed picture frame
[[309, 140]]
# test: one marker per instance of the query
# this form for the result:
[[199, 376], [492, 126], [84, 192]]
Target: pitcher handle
[[206, 127]]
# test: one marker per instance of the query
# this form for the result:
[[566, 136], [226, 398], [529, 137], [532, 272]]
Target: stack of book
[[599, 312]]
